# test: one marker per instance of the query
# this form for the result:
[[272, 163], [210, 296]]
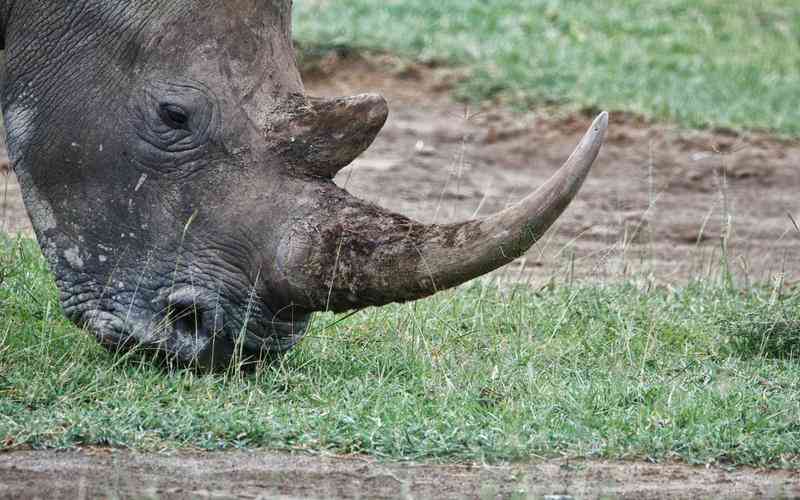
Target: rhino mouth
[[194, 328]]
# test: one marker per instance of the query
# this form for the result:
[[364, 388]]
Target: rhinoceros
[[180, 181]]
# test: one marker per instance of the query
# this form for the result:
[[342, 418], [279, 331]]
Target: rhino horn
[[348, 254], [326, 135]]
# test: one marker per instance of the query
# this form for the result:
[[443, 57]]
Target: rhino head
[[179, 180]]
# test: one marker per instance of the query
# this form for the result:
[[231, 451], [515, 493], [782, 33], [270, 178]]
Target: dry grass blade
[[794, 222]]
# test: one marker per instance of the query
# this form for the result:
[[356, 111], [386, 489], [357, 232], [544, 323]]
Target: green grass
[[701, 63], [482, 373]]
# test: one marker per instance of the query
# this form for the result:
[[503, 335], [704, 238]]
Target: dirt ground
[[662, 204], [107, 474]]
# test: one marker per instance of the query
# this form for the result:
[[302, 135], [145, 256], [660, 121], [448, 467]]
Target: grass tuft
[[769, 330]]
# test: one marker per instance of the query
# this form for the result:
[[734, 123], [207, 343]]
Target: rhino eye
[[174, 116]]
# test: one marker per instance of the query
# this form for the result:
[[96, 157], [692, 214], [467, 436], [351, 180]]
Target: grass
[[709, 63], [482, 373]]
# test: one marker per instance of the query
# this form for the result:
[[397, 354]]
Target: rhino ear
[[334, 132]]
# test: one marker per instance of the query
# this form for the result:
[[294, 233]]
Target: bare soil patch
[[116, 474], [662, 203]]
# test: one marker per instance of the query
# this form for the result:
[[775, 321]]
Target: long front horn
[[349, 254]]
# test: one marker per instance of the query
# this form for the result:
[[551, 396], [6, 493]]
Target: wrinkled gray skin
[[179, 179]]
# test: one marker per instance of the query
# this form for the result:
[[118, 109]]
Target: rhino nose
[[193, 322], [192, 317], [187, 319]]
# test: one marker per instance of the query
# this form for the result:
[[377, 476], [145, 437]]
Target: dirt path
[[107, 474]]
